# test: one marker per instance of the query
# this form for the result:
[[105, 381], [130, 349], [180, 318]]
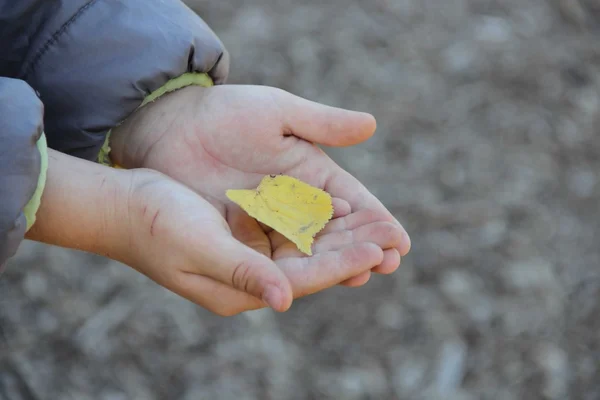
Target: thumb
[[321, 124], [231, 262]]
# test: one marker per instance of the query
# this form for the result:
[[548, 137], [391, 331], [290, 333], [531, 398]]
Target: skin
[[230, 136], [82, 207], [168, 232]]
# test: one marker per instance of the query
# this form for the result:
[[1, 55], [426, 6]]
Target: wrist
[[128, 143], [83, 207]]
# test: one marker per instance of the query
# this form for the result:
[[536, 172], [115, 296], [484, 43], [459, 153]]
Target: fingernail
[[272, 296]]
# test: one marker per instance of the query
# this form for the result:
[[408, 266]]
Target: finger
[[391, 262], [266, 228], [358, 280], [341, 184], [386, 235], [247, 230], [353, 221], [229, 261], [307, 275], [312, 274], [318, 123], [215, 296], [341, 208], [278, 241]]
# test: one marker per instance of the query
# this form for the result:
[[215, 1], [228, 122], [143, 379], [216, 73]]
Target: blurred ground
[[487, 150]]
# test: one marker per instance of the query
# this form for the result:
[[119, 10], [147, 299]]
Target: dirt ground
[[487, 150]]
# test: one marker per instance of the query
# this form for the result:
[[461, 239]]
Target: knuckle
[[241, 276]]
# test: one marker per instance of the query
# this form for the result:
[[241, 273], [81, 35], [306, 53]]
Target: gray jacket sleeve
[[92, 63], [21, 121]]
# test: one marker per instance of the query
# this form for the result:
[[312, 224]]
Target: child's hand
[[174, 236], [231, 136], [214, 259]]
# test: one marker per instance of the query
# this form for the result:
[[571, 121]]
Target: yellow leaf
[[293, 208]]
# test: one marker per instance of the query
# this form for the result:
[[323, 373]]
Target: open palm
[[230, 137]]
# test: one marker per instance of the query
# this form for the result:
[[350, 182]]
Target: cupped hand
[[229, 137], [213, 257]]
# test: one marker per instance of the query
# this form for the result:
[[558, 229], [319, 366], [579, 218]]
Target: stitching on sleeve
[[55, 37]]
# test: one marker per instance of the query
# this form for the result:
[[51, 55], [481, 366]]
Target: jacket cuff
[[187, 79], [94, 61], [31, 208], [21, 152]]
